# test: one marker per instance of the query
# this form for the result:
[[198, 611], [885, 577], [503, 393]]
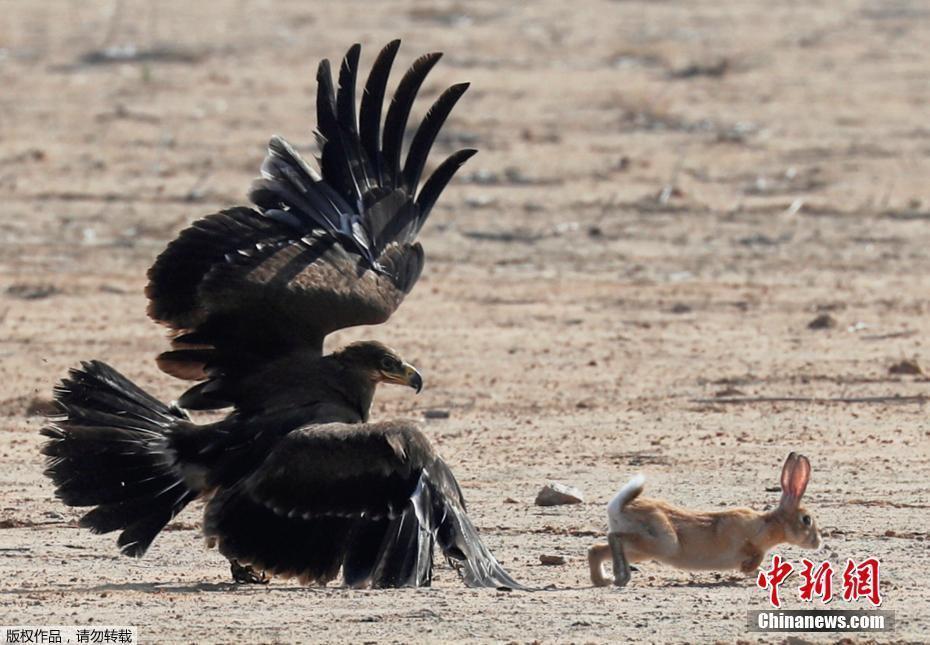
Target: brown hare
[[652, 529]]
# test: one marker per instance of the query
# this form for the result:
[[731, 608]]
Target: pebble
[[907, 366], [556, 494], [823, 321], [552, 560]]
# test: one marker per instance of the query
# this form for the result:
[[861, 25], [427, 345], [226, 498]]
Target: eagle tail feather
[[111, 449]]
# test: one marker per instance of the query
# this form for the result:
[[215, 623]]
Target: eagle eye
[[388, 363]]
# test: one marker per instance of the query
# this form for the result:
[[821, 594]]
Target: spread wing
[[369, 500], [320, 251]]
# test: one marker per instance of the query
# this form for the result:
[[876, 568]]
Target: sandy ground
[[667, 194]]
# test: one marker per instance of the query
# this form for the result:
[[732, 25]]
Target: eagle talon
[[245, 574]]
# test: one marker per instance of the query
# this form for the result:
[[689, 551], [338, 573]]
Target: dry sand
[[667, 194]]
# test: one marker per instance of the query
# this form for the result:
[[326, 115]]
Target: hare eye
[[806, 520]]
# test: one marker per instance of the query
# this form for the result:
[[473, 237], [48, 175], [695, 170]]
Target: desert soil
[[667, 194]]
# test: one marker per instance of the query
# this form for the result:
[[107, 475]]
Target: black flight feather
[[370, 111], [399, 111], [348, 119], [426, 135], [438, 181]]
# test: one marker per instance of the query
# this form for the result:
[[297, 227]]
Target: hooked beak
[[408, 375]]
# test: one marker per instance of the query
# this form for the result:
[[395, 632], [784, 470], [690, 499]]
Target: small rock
[[680, 308], [890, 533], [511, 500], [533, 207], [728, 391], [480, 201], [437, 414], [907, 366], [713, 69], [556, 494], [551, 560], [31, 291], [823, 321]]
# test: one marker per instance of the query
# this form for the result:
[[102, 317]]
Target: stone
[[556, 494]]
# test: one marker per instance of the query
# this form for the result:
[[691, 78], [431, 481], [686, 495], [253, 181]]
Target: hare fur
[[650, 529]]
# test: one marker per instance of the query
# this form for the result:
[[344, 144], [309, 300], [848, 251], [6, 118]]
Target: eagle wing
[[369, 500], [320, 251]]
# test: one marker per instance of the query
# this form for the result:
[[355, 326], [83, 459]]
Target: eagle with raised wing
[[249, 288], [297, 481]]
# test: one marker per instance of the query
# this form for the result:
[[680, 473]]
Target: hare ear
[[788, 498], [786, 472], [800, 475]]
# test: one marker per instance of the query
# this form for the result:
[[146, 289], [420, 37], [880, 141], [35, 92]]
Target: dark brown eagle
[[297, 481]]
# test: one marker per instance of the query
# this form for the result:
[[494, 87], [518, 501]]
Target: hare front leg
[[621, 566], [753, 561]]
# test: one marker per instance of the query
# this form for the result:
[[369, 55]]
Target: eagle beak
[[408, 375], [413, 377]]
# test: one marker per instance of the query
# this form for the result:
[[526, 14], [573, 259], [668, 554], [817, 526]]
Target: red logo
[[860, 580], [773, 578], [816, 582]]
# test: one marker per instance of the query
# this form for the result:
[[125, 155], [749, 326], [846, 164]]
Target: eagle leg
[[245, 574]]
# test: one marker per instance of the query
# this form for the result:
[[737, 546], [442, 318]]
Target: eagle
[[298, 482]]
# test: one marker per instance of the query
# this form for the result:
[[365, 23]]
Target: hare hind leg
[[598, 554], [621, 566]]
